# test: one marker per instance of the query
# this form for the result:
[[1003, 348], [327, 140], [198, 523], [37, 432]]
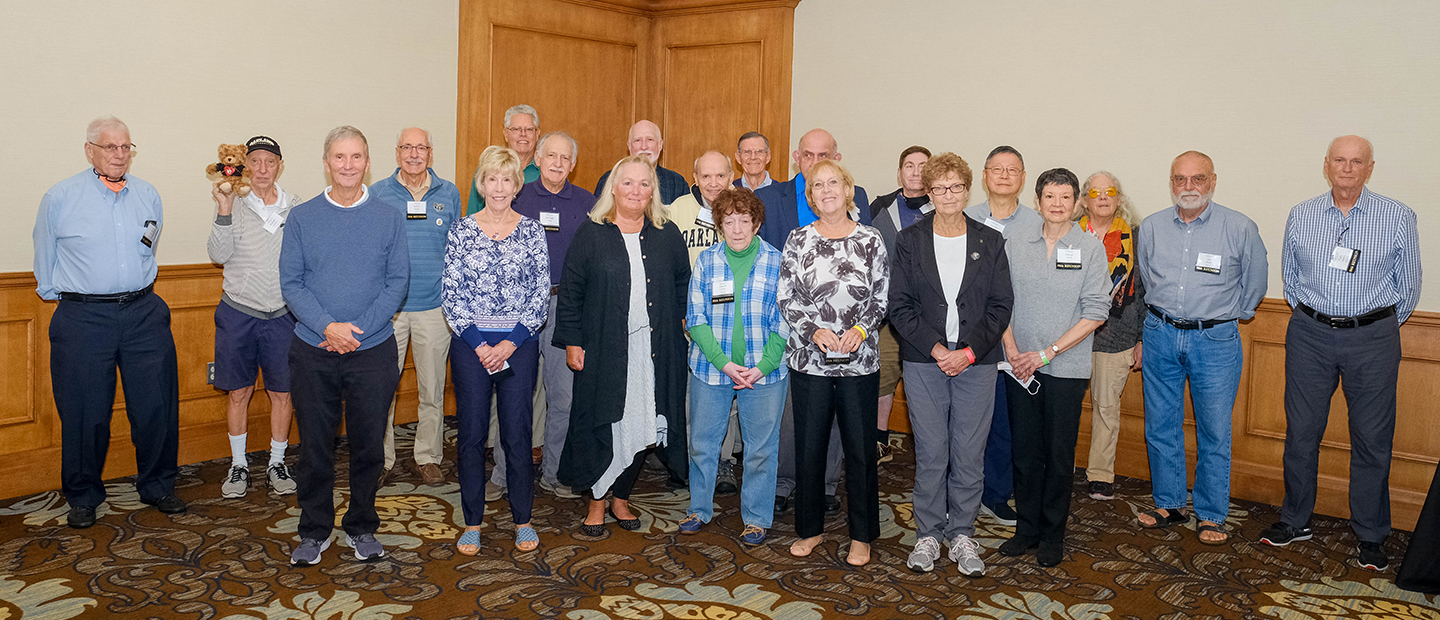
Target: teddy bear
[[230, 175]]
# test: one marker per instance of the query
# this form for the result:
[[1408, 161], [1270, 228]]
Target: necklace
[[500, 222]]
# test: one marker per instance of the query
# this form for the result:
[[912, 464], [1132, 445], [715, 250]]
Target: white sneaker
[[922, 559], [237, 482], [965, 553], [280, 481]]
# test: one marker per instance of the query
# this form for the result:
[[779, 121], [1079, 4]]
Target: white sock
[[277, 451], [237, 450]]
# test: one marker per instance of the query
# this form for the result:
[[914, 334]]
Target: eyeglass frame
[[114, 149], [1109, 191], [949, 189]]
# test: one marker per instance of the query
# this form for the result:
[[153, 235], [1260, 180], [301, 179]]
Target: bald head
[[817, 144], [713, 174], [1348, 163], [644, 139]]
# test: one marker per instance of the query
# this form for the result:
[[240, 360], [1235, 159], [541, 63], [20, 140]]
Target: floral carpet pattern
[[228, 559]]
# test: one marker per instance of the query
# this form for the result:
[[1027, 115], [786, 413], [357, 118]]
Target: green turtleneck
[[741, 264]]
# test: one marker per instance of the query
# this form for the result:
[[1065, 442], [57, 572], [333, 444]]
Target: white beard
[[1191, 200]]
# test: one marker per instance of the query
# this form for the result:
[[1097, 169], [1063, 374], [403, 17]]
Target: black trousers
[[324, 386], [625, 482], [1316, 357], [88, 341], [818, 402], [1043, 431]]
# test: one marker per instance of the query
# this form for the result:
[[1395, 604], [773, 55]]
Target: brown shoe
[[536, 455], [430, 474], [384, 478]]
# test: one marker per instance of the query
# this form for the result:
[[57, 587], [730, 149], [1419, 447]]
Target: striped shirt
[[1386, 274], [251, 255], [759, 306]]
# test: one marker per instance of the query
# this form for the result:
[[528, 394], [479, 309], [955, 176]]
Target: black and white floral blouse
[[494, 285], [833, 284]]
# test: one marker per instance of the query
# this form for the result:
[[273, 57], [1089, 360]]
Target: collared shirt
[[1387, 272], [740, 182], [417, 193], [802, 203], [1212, 268], [88, 238], [1023, 218], [693, 217], [477, 202], [571, 203], [1050, 300], [425, 235], [759, 309]]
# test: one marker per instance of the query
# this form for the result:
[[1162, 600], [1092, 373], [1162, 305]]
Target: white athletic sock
[[237, 450], [277, 451]]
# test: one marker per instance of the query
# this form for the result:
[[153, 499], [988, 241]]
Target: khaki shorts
[[889, 360]]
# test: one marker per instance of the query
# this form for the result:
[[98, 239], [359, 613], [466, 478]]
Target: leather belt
[[554, 290], [112, 298], [1187, 323], [1343, 322]]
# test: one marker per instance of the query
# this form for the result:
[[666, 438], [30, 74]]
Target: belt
[[1187, 323], [1340, 322], [112, 298], [554, 290]]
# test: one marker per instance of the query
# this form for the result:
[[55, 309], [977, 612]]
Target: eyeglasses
[[1340, 239], [1095, 192], [114, 149], [754, 152], [941, 190], [522, 130], [1008, 171], [1198, 180], [418, 148]]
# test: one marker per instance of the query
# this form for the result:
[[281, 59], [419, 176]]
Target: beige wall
[[187, 76], [1126, 85]]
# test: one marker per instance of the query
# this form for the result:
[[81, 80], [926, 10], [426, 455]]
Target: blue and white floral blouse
[[496, 285]]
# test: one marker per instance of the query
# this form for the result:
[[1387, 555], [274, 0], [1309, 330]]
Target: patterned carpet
[[228, 559]]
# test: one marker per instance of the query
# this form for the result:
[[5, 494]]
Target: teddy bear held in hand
[[230, 174]]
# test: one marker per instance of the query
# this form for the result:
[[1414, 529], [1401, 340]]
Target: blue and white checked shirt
[[1388, 272], [760, 304]]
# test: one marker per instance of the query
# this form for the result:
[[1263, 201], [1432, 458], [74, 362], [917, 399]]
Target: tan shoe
[[430, 474], [536, 455], [384, 478]]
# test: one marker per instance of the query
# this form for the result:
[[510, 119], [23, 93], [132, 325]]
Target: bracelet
[[863, 333], [1044, 361], [969, 354]]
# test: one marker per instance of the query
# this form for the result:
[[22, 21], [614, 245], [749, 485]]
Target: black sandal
[[629, 525], [1209, 527], [1163, 521], [593, 531]]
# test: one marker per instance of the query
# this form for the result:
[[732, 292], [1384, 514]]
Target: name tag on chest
[[836, 357], [722, 291], [415, 210], [1345, 259], [705, 218], [152, 230], [550, 220], [1208, 263], [1067, 258], [994, 224]]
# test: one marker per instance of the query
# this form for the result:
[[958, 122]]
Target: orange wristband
[[969, 354]]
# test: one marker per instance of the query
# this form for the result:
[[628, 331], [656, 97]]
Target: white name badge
[[503, 367], [1067, 258], [1344, 259], [836, 357], [550, 220], [273, 222], [722, 291], [705, 218], [989, 221], [152, 231], [415, 210], [1208, 263]]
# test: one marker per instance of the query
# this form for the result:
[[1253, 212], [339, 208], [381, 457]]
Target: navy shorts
[[245, 345]]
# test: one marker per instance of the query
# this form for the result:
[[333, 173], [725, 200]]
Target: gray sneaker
[[366, 547], [280, 481], [965, 553], [308, 553], [922, 559], [561, 491], [725, 478], [236, 483]]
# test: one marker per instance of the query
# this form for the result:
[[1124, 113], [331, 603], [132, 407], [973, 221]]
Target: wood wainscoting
[[706, 71], [30, 429]]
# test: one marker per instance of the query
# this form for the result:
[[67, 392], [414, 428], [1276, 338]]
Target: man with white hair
[[429, 204], [1350, 297], [521, 128], [95, 238], [344, 270], [644, 139], [1205, 269]]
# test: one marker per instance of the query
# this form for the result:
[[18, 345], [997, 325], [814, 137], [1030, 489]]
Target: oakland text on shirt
[[700, 237]]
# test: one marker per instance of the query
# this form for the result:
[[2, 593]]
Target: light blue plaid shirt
[[759, 303], [1387, 274]]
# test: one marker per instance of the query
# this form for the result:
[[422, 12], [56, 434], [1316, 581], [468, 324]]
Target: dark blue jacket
[[672, 184], [780, 214]]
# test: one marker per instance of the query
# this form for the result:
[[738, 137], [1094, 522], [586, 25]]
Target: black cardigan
[[593, 312], [917, 299]]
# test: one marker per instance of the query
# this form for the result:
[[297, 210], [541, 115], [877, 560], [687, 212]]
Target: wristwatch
[[1055, 349]]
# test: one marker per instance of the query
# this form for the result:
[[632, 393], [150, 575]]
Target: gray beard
[[1190, 203]]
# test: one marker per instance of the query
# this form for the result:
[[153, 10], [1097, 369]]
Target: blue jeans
[[1210, 359], [759, 429]]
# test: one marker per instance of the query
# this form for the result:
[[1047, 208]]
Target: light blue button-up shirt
[[1169, 250], [87, 237]]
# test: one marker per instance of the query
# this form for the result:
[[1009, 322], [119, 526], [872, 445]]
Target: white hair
[[345, 132], [400, 135], [521, 109], [574, 146], [100, 125]]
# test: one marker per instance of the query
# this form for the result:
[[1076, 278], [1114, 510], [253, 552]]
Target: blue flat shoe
[[526, 538], [471, 538]]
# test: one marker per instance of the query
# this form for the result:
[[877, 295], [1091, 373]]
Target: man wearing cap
[[644, 139], [521, 127], [95, 237], [429, 204], [253, 327]]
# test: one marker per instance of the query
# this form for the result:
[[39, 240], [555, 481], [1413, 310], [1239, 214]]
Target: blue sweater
[[344, 265], [426, 237]]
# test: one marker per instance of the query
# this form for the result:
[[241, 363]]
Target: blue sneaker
[[691, 524], [366, 547], [308, 553], [753, 535]]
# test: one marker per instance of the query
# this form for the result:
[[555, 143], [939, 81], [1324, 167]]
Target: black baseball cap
[[263, 143]]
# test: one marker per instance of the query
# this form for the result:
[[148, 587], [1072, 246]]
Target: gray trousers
[[785, 467], [559, 384], [1316, 357], [950, 421]]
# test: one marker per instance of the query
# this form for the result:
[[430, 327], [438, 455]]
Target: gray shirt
[[251, 257], [1023, 218], [1050, 300], [1213, 268]]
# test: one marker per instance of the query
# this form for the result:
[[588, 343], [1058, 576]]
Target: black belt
[[112, 298], [1341, 322], [1187, 323]]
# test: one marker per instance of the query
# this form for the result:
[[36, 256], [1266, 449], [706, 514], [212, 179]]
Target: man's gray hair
[[753, 134], [521, 109], [574, 146], [345, 132], [99, 125], [400, 135]]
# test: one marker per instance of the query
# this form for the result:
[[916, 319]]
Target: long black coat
[[593, 312], [918, 306]]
